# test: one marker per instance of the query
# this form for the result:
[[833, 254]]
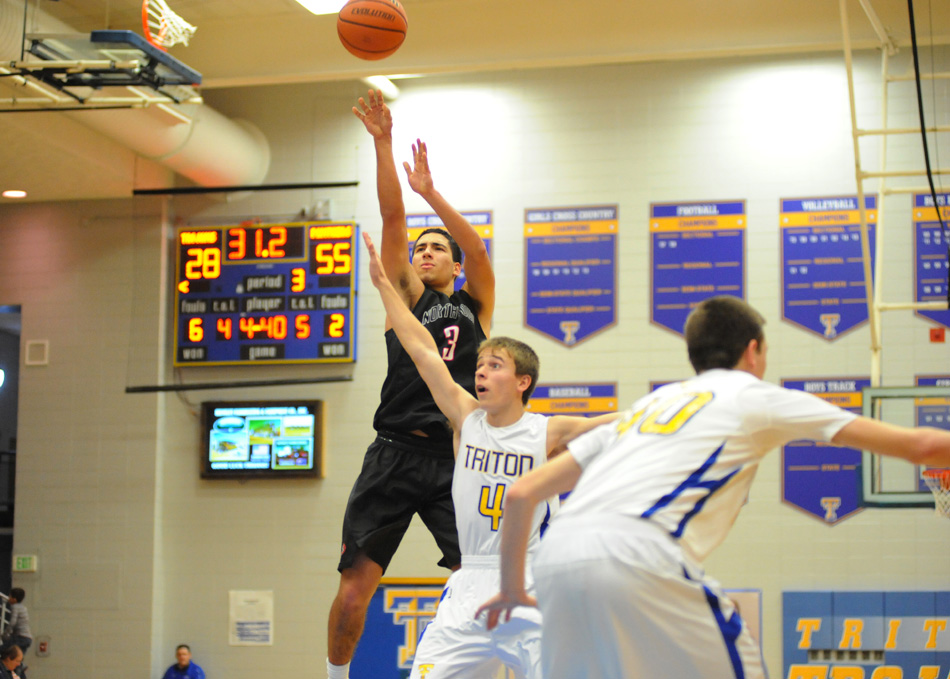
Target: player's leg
[[517, 643], [377, 515], [358, 583], [454, 645]]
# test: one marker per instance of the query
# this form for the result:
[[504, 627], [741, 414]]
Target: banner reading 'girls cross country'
[[571, 271], [820, 478], [823, 288], [574, 399], [697, 251], [930, 254], [480, 221]]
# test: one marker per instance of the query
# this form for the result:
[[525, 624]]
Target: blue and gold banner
[[574, 399], [823, 479], [398, 612], [823, 288], [932, 267], [697, 251], [571, 271], [876, 634], [480, 221]]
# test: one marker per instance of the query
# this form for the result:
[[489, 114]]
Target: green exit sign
[[24, 563]]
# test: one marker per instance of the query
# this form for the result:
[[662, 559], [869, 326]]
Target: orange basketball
[[372, 29]]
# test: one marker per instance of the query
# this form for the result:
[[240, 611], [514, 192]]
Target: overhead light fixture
[[14, 193], [384, 85], [323, 6], [2, 376]]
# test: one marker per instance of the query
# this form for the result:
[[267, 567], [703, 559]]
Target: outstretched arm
[[479, 276], [921, 445], [556, 477], [378, 120], [454, 402], [562, 429]]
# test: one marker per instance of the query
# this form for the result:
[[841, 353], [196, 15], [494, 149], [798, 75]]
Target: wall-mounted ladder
[[884, 175]]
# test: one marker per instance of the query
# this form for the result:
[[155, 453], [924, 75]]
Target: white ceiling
[[253, 42]]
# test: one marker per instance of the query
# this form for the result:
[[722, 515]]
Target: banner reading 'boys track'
[[480, 221]]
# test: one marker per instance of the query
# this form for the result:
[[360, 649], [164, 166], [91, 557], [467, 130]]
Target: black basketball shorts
[[396, 482]]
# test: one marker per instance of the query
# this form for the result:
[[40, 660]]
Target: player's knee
[[354, 595], [357, 587]]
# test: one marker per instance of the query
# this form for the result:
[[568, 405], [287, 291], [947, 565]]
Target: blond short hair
[[525, 359]]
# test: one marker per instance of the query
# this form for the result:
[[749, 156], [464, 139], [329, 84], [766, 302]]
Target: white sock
[[337, 671]]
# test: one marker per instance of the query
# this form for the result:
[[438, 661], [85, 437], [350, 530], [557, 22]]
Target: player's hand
[[420, 178], [375, 115], [502, 604], [377, 273]]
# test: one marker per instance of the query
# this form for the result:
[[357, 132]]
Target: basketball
[[372, 29]]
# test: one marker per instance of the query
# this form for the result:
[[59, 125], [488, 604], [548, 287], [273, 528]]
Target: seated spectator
[[184, 668]]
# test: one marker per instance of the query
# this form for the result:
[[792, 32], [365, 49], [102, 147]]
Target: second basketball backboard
[[887, 481]]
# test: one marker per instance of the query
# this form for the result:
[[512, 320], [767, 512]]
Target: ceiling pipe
[[194, 140]]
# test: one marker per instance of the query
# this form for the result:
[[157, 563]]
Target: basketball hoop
[[938, 480], [163, 28]]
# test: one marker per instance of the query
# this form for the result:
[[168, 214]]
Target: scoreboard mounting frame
[[266, 294]]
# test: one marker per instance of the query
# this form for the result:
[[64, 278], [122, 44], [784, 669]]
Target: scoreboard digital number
[[265, 294]]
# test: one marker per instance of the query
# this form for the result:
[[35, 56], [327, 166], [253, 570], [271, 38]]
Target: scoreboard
[[265, 294]]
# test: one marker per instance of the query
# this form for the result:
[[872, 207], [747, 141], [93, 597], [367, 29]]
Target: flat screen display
[[262, 439]]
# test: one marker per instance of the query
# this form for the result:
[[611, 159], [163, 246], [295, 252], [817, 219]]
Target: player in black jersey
[[408, 468]]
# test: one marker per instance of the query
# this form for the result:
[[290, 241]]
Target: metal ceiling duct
[[194, 140]]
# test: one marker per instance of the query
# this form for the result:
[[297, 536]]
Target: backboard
[[889, 482], [104, 68]]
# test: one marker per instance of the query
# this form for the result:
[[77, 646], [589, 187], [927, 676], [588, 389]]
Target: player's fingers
[[369, 247], [408, 169]]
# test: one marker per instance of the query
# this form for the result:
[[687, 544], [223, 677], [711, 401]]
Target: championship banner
[[697, 251], [931, 412], [820, 478], [930, 255], [878, 635], [823, 286], [480, 221], [571, 271], [574, 399]]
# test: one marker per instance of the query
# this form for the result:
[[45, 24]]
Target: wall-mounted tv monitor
[[262, 439]]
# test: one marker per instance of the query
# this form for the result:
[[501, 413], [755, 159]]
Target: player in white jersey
[[496, 442], [619, 580]]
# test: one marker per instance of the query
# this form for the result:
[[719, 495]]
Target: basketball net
[[163, 28], [938, 480]]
